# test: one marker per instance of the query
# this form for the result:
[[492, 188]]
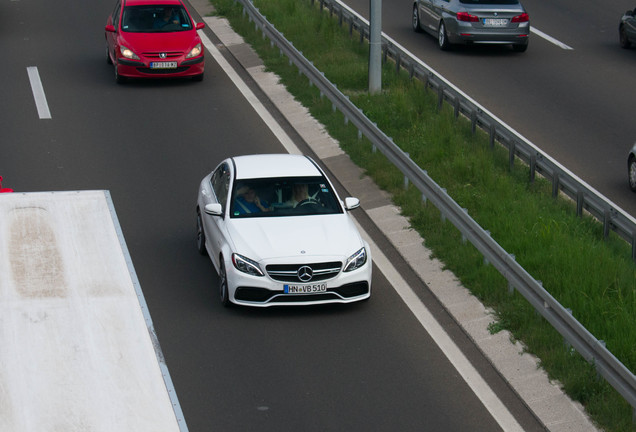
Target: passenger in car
[[247, 201]]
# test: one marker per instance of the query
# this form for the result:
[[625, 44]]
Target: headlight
[[128, 53], [194, 52], [246, 265], [356, 260]]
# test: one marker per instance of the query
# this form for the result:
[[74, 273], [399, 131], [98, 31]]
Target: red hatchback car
[[153, 39]]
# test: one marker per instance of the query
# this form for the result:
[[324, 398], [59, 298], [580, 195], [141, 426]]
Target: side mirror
[[110, 28], [200, 25], [351, 203], [214, 209]]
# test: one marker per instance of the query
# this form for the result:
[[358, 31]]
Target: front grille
[[306, 298], [289, 272], [157, 55]]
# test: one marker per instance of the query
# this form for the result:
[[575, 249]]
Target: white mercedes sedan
[[278, 234]]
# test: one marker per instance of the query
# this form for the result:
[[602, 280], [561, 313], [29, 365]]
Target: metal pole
[[375, 46]]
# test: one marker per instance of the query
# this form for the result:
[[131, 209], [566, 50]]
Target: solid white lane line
[[38, 93], [497, 409], [273, 125], [485, 394], [550, 38]]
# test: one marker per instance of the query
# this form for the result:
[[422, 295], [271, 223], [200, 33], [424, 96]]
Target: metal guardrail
[[577, 336]]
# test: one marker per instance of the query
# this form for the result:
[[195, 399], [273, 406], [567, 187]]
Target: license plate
[[305, 289], [495, 22], [163, 65]]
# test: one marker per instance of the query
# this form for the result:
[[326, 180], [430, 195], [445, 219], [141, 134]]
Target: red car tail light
[[524, 17], [465, 16]]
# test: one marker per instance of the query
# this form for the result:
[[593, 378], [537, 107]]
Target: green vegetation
[[592, 276]]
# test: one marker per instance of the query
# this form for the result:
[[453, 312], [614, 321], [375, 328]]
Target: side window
[[221, 183], [116, 14]]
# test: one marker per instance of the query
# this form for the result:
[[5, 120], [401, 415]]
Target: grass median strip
[[592, 276]]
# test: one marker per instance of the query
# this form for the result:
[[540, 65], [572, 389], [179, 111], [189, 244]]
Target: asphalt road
[[360, 367], [577, 105]]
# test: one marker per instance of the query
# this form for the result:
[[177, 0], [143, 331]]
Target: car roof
[[151, 2], [274, 165]]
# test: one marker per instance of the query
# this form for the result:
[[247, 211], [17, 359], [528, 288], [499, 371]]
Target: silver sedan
[[473, 21], [627, 29]]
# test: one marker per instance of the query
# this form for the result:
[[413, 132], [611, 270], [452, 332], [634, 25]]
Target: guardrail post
[[473, 121], [634, 246], [566, 343], [511, 154], [486, 262], [456, 105], [511, 287], [464, 239], [440, 96], [599, 374], [406, 179], [607, 218], [555, 185], [493, 134], [533, 167], [580, 199]]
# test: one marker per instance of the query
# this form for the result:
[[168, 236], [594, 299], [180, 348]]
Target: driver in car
[[300, 195], [169, 17]]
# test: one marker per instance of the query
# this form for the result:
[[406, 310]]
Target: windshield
[[290, 196], [159, 18]]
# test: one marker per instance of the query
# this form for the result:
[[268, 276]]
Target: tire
[[108, 59], [198, 78], [118, 78], [200, 235], [623, 39], [520, 47], [415, 21], [442, 37], [631, 171], [223, 291]]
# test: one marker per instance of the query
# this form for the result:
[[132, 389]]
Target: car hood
[[174, 41], [290, 238]]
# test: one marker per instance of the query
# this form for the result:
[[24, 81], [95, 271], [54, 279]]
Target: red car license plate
[[163, 65]]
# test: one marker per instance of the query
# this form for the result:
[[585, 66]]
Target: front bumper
[[141, 69], [263, 291]]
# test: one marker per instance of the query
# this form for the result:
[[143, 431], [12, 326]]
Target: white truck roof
[[78, 351]]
